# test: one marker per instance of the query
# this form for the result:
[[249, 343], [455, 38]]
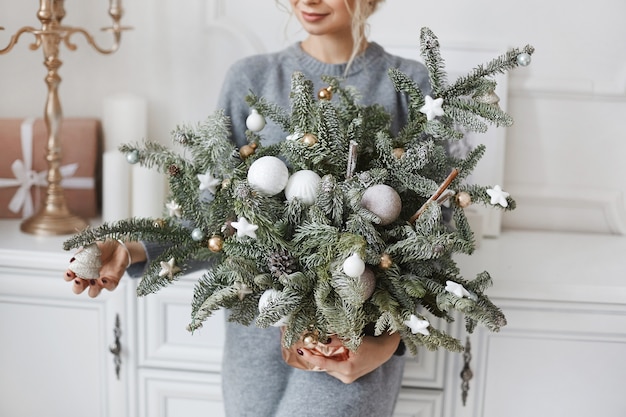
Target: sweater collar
[[307, 62]]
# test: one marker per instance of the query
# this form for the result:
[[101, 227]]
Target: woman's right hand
[[115, 259]]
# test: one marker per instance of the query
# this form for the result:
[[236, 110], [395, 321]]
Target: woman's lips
[[312, 17]]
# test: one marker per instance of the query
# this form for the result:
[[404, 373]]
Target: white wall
[[564, 155]]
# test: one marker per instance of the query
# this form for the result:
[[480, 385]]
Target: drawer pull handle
[[466, 373], [116, 347]]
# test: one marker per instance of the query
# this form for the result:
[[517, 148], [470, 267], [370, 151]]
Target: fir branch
[[429, 47]]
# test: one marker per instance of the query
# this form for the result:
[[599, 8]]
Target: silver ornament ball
[[197, 235], [523, 59], [132, 157]]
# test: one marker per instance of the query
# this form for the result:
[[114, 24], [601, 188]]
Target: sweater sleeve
[[232, 100]]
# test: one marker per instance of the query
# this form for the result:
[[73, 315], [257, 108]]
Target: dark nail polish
[[92, 282], [77, 281], [300, 352], [104, 281], [72, 260], [327, 341], [68, 274]]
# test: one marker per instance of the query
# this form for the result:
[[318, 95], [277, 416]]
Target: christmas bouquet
[[338, 227]]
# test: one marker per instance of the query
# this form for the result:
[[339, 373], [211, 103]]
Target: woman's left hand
[[372, 353]]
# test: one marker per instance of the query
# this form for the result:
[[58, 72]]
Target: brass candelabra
[[54, 217]]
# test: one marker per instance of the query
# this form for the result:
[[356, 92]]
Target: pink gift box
[[23, 166]]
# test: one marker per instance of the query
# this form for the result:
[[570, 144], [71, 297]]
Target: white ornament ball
[[266, 298], [303, 186], [255, 121], [353, 266], [368, 279], [268, 175], [383, 201]]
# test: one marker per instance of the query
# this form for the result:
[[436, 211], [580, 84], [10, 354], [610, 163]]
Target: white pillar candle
[[148, 192], [124, 120], [115, 186]]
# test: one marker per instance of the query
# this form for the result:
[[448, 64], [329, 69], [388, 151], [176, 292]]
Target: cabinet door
[[54, 355], [552, 359], [419, 403], [165, 342], [165, 393]]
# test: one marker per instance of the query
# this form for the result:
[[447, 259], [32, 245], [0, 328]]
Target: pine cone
[[281, 263]]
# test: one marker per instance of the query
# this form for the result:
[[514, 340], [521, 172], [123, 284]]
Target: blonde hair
[[361, 12]]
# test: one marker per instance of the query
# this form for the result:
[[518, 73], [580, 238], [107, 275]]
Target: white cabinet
[[562, 351], [54, 355]]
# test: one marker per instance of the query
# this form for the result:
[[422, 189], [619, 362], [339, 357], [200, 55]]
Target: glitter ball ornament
[[523, 59], [246, 150], [303, 186], [197, 234], [386, 261], [488, 98], [383, 201], [368, 280], [132, 157], [463, 199], [353, 266], [87, 263], [309, 139], [268, 175], [325, 93], [216, 243], [255, 121]]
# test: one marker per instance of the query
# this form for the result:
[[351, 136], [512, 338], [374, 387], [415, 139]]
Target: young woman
[[256, 380]]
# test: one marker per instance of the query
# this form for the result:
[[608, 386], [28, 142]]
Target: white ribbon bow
[[26, 177]]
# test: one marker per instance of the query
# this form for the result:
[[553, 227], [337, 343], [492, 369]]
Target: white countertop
[[552, 266]]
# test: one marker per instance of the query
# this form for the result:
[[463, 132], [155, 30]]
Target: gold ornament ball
[[226, 183], [247, 150], [309, 139], [463, 199], [398, 152], [325, 93], [310, 339], [385, 261], [160, 223], [216, 243]]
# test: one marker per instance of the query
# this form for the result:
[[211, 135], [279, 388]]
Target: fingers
[[113, 267]]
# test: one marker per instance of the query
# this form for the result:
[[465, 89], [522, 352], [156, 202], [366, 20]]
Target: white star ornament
[[498, 196], [457, 289], [169, 269], [174, 209], [245, 228], [417, 325], [208, 182], [432, 107]]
